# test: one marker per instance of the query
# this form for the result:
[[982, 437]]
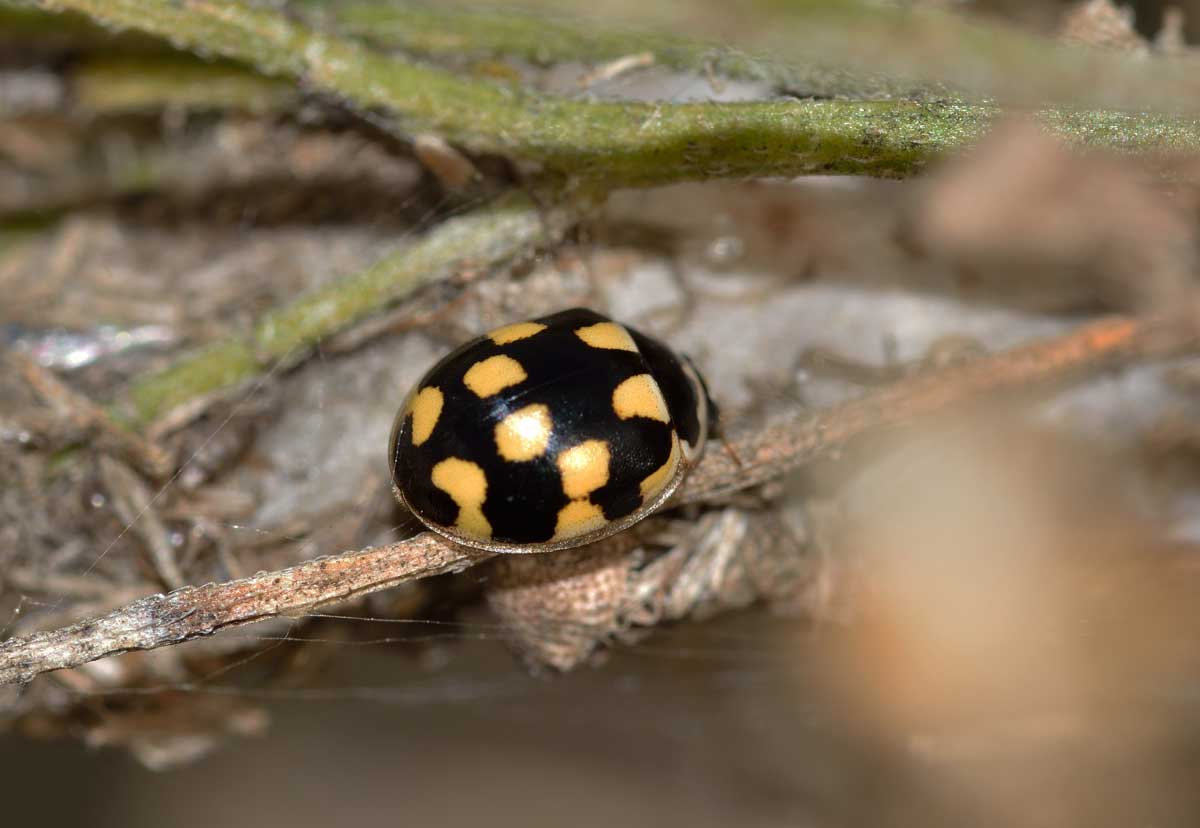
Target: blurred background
[[988, 617]]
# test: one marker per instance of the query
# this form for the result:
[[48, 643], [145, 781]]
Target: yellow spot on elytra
[[584, 468], [492, 375], [607, 335], [511, 333], [426, 407], [466, 484], [577, 518], [654, 482], [640, 396], [524, 434]]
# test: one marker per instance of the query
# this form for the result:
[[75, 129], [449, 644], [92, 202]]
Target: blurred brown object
[[1102, 23], [161, 731], [1023, 215], [1017, 613], [1171, 38], [452, 169]]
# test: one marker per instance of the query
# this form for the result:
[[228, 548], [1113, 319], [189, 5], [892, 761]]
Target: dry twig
[[762, 454], [767, 452]]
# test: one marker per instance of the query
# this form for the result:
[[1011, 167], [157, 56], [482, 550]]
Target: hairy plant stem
[[606, 144]]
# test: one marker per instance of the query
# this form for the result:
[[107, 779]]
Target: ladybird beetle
[[548, 434]]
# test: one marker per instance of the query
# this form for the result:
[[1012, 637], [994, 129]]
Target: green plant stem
[[23, 23], [993, 61], [451, 36], [908, 42], [851, 48], [447, 34], [602, 144], [488, 238]]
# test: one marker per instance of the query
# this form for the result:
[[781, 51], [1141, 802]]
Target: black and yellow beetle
[[548, 434]]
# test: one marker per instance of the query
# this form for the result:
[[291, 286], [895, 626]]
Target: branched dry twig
[[762, 454], [767, 452], [160, 620]]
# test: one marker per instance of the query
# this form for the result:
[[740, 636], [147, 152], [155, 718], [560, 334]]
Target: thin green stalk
[[23, 23], [488, 238], [134, 83], [111, 162]]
